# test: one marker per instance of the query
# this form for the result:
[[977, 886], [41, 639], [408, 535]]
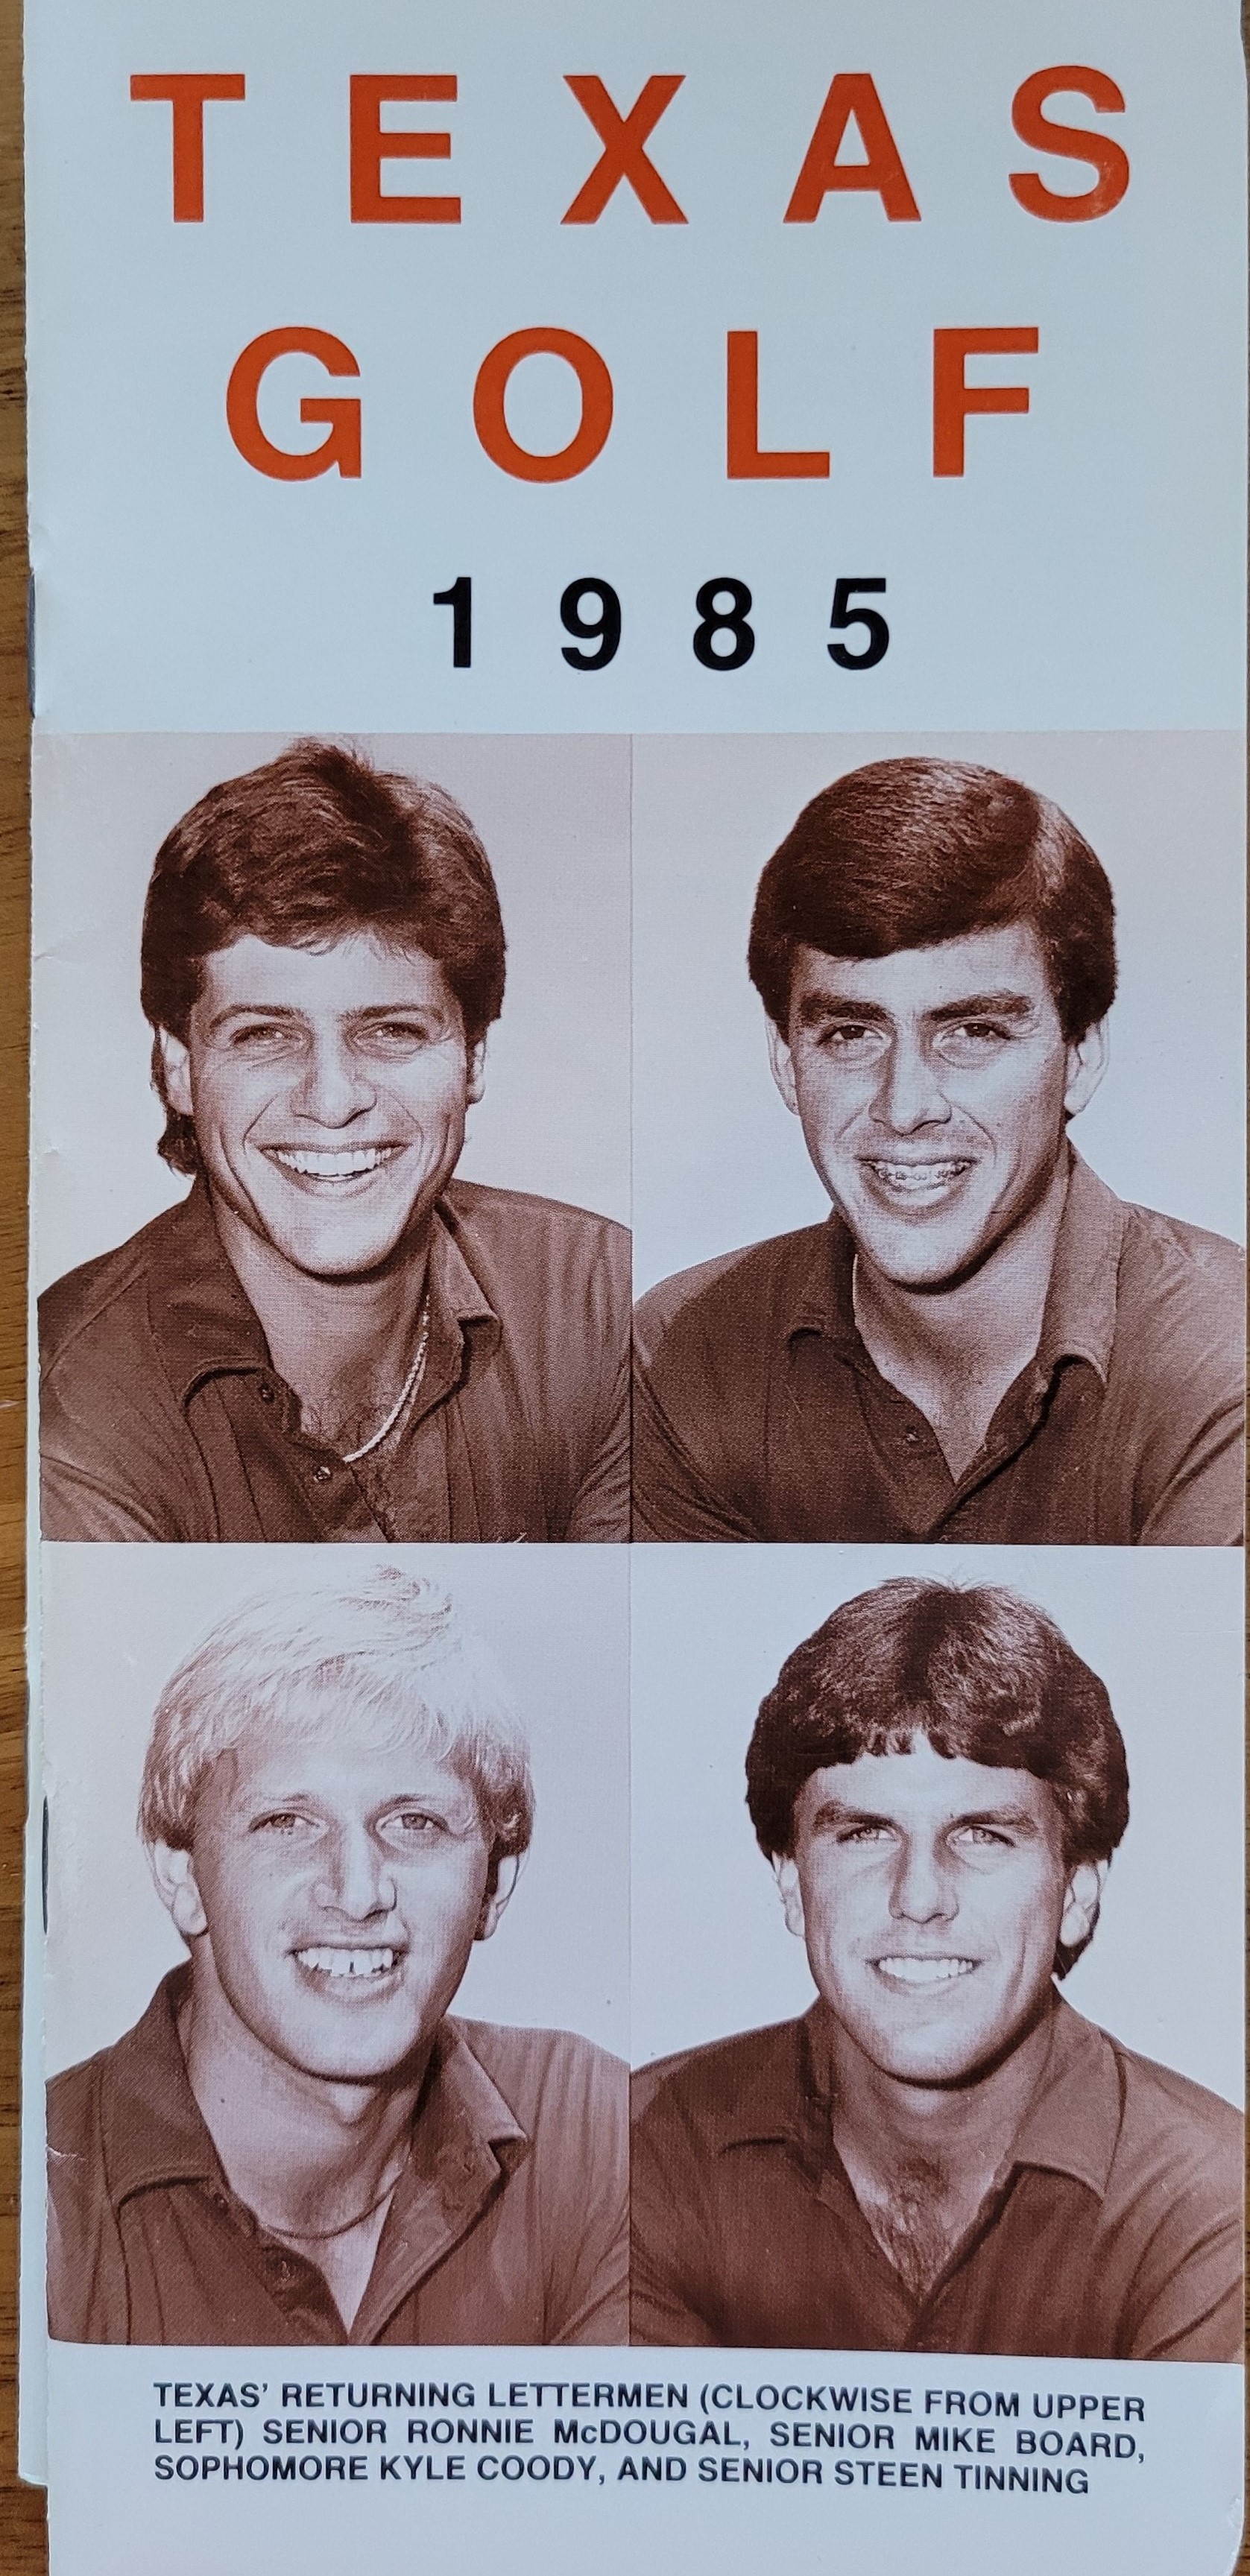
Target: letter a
[[853, 94]]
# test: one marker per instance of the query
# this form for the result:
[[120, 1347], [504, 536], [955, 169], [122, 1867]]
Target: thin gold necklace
[[323, 2235], [406, 1392]]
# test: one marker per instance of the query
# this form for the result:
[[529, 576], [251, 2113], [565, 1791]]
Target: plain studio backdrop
[[719, 1161], [553, 813], [118, 1621], [1162, 1627]]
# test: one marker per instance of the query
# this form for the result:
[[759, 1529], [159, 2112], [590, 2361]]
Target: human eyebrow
[[253, 1011], [983, 1006], [834, 1812], [1016, 1820], [383, 1011], [815, 1007]]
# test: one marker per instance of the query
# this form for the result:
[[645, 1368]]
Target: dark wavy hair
[[312, 848], [979, 1672], [908, 853]]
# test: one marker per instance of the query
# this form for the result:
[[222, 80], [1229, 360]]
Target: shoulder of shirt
[[713, 1291], [524, 2063], [82, 1297], [1160, 2095], [1166, 1250], [1180, 1307], [704, 2086], [501, 1214], [73, 2099]]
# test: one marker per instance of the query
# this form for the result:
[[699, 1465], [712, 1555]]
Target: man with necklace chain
[[299, 2143], [331, 1337]]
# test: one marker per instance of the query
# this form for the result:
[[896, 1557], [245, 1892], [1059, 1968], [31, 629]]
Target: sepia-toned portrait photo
[[293, 2098], [353, 1267], [1003, 2121], [987, 1289]]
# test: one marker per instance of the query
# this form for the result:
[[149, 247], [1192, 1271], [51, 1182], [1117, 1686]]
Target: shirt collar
[[205, 1327], [156, 2131], [1071, 2125], [1078, 1320], [1073, 2121]]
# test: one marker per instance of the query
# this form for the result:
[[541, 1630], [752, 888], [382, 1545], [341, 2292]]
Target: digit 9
[[603, 631]]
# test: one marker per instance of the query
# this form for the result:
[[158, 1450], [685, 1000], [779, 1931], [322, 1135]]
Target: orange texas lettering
[[627, 176]]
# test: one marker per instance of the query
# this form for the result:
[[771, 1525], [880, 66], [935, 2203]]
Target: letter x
[[624, 157]]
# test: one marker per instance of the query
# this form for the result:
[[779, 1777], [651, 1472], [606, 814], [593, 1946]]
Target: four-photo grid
[[860, 1779]]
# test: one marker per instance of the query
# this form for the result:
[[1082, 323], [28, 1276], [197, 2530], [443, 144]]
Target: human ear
[[782, 1062], [493, 1905], [1084, 1896], [475, 1073], [176, 1069], [174, 1873], [786, 1873], [1087, 1063]]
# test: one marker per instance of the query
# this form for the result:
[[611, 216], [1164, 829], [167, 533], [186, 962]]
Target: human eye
[[973, 1041], [404, 1034], [868, 1834], [283, 1824], [850, 1041], [982, 1838], [412, 1828], [259, 1037]]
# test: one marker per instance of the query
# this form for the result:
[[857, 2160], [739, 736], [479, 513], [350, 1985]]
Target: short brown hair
[[980, 1673], [908, 853], [307, 850]]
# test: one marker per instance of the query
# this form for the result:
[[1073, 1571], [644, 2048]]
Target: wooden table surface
[[23, 2543]]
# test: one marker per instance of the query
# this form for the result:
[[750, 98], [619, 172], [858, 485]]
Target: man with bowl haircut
[[298, 2143], [941, 2155], [331, 1337], [983, 1342]]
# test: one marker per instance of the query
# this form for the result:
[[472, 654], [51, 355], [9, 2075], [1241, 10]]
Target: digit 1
[[459, 599]]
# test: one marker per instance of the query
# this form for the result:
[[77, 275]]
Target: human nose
[[356, 1879], [923, 1890], [334, 1085], [910, 1094]]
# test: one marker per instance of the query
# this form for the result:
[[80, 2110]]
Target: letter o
[[341, 413], [490, 394]]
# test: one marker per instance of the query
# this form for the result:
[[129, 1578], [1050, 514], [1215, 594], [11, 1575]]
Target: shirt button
[[265, 1391], [322, 1475], [913, 1437]]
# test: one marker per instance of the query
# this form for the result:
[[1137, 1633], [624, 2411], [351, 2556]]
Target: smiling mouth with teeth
[[348, 1964], [916, 1178], [348, 1163], [924, 1972]]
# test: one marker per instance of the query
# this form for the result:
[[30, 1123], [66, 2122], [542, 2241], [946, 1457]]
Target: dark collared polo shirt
[[507, 2226], [1116, 2234], [162, 1416], [758, 1413]]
